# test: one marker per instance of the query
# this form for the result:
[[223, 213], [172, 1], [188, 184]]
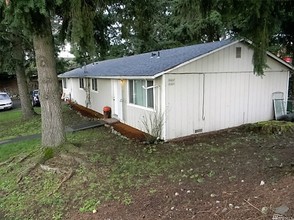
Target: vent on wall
[[198, 130], [238, 52]]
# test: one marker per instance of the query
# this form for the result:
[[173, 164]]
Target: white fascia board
[[121, 77], [196, 58], [280, 60], [273, 56], [110, 77]]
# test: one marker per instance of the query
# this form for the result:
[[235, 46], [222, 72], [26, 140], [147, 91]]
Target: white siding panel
[[67, 92], [102, 97], [233, 95], [260, 94], [78, 94], [183, 104], [225, 100], [230, 99], [214, 92], [222, 61], [134, 115]]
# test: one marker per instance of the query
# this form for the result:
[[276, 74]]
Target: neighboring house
[[8, 83], [199, 88]]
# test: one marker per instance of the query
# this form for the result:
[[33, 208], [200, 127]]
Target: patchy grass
[[113, 167], [272, 127], [122, 179]]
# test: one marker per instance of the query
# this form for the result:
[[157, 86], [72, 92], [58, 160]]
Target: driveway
[[16, 103]]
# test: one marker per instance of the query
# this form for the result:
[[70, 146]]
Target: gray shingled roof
[[142, 64]]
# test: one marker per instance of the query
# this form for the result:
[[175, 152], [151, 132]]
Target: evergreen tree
[[12, 48], [259, 21], [34, 17]]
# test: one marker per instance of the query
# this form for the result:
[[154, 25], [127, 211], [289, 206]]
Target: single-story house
[[192, 89]]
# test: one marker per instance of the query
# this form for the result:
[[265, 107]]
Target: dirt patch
[[232, 174]]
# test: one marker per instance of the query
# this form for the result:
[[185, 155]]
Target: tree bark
[[53, 133], [26, 107]]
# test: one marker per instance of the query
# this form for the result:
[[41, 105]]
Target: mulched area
[[123, 129], [85, 111], [129, 131]]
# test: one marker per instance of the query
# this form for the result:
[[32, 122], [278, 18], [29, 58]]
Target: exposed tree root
[[73, 159], [25, 157], [7, 161], [67, 177], [50, 169], [26, 172]]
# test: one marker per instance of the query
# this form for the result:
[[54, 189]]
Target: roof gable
[[145, 65]]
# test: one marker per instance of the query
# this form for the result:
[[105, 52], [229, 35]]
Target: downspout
[[203, 97], [287, 89], [88, 94], [87, 88]]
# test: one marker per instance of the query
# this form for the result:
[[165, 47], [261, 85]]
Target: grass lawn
[[99, 175], [11, 124]]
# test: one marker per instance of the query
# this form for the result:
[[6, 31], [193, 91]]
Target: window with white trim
[[64, 83], [141, 93], [81, 83], [94, 85]]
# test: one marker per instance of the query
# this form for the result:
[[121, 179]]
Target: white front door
[[117, 99]]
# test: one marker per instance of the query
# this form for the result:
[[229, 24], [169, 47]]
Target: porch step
[[110, 121]]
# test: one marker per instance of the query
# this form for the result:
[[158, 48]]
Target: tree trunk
[[53, 133], [26, 107]]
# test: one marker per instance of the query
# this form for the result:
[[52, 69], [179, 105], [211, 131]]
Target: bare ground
[[233, 174], [250, 179]]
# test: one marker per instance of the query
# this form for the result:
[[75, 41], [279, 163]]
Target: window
[[150, 101], [238, 52], [64, 83], [82, 83], [141, 93], [94, 84]]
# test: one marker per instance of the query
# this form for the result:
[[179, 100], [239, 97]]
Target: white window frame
[[94, 85], [81, 83], [146, 92], [64, 82]]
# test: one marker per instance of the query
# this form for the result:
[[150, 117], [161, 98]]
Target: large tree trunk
[[53, 133], [26, 107]]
